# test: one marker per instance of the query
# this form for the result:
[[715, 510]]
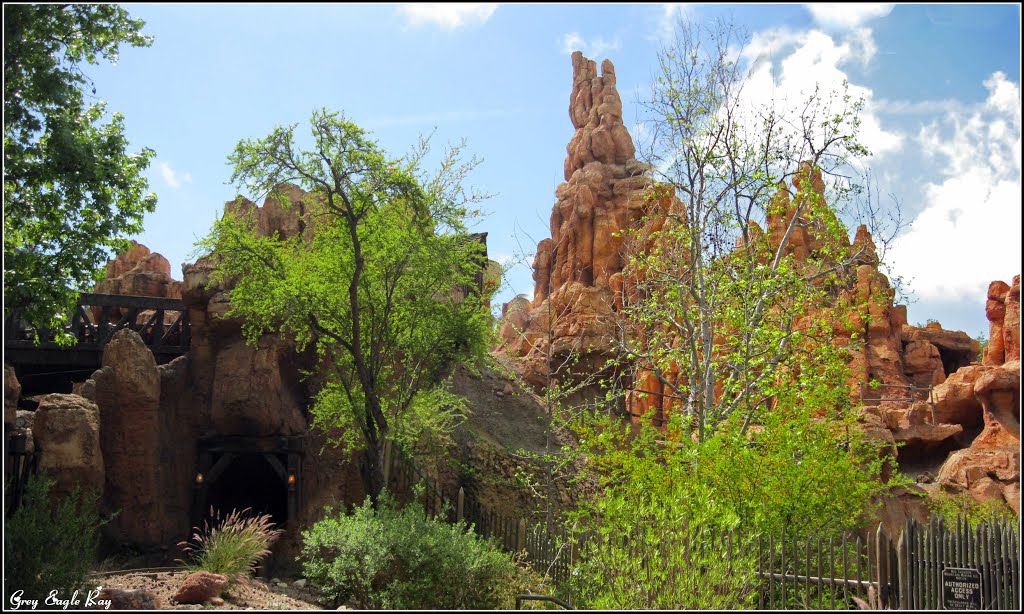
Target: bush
[[392, 558], [232, 546], [962, 505], [663, 493], [50, 547]]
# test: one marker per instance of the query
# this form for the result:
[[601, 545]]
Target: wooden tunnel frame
[[218, 452]]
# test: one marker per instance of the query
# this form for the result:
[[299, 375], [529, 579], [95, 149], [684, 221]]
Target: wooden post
[[460, 505], [901, 562], [881, 560], [521, 535]]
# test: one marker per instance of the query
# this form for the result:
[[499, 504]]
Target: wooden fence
[[969, 566], [786, 571]]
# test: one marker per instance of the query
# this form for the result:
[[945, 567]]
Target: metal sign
[[961, 589]]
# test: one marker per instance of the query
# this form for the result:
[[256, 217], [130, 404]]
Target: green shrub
[[49, 547], [963, 505], [392, 558], [232, 546]]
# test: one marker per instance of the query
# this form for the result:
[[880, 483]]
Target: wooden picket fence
[[788, 572], [990, 550]]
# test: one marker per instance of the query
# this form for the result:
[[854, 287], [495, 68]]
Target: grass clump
[[390, 558], [50, 547], [232, 546]]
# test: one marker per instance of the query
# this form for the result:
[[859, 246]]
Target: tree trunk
[[372, 470]]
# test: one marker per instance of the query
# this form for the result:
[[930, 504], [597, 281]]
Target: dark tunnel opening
[[249, 481]]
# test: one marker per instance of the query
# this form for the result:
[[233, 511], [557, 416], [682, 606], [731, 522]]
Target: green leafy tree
[[731, 325], [377, 283], [72, 190], [728, 317], [676, 522]]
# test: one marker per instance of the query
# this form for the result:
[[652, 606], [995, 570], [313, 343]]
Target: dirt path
[[258, 594]]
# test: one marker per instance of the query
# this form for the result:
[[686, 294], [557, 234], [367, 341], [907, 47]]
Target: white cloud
[[676, 9], [594, 49], [846, 16], [787, 66], [666, 21], [172, 178], [447, 16], [969, 231]]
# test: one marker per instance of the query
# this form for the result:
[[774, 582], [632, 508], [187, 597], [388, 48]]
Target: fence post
[[460, 505], [521, 535], [902, 571], [881, 567]]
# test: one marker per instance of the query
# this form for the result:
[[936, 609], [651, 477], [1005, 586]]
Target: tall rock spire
[[572, 307]]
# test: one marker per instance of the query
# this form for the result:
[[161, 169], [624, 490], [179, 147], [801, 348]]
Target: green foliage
[[49, 547], [390, 558], [232, 546], [72, 191], [663, 489], [726, 316], [963, 505], [377, 283], [983, 342], [664, 568]]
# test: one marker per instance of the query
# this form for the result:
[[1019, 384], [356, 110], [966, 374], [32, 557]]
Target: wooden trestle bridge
[[161, 322]]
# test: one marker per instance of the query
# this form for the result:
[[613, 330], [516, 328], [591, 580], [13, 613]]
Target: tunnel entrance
[[249, 481], [261, 473]]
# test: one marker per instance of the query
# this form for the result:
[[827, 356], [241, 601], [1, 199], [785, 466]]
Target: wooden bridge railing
[[161, 322]]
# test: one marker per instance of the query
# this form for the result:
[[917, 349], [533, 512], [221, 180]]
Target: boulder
[[139, 272], [66, 428], [922, 363], [201, 587], [982, 473]]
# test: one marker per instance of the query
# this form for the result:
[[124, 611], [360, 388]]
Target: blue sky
[[941, 82]]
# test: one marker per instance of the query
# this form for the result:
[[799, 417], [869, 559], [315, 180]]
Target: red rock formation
[[139, 272], [995, 311], [572, 308], [917, 384], [1011, 322], [988, 394]]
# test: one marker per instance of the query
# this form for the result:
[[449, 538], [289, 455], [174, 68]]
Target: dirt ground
[[258, 594]]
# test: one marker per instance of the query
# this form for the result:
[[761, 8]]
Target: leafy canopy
[[72, 190], [742, 255], [379, 280], [730, 342]]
